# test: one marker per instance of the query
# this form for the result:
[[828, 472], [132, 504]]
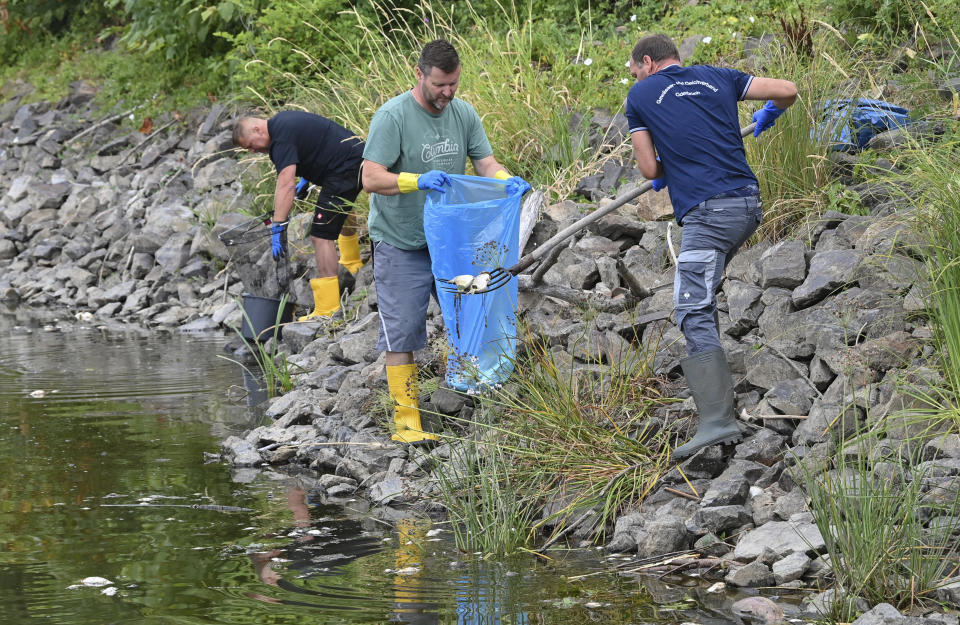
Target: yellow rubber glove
[[407, 182], [502, 175], [433, 180]]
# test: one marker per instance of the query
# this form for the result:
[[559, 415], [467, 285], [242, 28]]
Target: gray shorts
[[404, 283]]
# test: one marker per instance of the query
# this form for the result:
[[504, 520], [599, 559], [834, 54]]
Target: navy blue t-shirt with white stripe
[[691, 114]]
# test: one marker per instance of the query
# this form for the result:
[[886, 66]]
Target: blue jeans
[[713, 231]]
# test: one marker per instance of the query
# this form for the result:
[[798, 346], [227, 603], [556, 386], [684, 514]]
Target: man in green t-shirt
[[415, 140]]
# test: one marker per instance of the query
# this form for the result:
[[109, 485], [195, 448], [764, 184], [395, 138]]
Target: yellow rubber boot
[[350, 252], [404, 391], [326, 298]]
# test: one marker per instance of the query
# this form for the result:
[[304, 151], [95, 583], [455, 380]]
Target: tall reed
[[523, 84], [791, 159], [872, 518]]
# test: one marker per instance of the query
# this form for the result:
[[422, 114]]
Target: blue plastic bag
[[474, 227], [848, 124]]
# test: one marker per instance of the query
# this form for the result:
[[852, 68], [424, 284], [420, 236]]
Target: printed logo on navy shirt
[[685, 83]]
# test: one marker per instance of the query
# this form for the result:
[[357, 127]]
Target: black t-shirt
[[316, 145]]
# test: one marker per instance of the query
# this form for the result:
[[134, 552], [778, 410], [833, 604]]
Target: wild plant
[[274, 368], [574, 443], [888, 529]]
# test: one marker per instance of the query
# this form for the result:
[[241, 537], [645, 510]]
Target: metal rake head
[[474, 285]]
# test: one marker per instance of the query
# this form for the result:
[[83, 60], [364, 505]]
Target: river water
[[106, 436]]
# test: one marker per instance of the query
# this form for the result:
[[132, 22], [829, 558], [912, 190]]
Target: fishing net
[[248, 244]]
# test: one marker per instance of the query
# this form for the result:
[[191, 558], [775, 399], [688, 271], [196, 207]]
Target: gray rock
[[726, 490], [175, 253], [757, 611], [886, 614], [828, 422], [241, 452], [297, 336], [783, 265], [573, 270], [8, 249], [721, 519], [661, 536], [359, 347], [744, 306], [791, 503], [220, 172], [751, 575], [762, 508], [764, 447], [945, 446], [710, 545], [392, 489], [791, 397], [447, 401], [949, 591], [783, 537], [341, 490], [822, 604], [829, 272], [767, 369]]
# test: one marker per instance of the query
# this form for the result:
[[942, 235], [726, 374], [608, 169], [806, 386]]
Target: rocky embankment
[[822, 331]]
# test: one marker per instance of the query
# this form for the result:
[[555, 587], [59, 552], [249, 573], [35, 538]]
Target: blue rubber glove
[[516, 186], [303, 189], [278, 239], [433, 180], [766, 116]]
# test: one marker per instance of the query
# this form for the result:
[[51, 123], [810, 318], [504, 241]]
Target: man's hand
[[433, 180], [278, 239], [766, 116], [303, 189], [658, 183], [517, 186]]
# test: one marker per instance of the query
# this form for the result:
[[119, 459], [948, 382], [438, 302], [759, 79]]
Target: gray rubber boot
[[709, 379]]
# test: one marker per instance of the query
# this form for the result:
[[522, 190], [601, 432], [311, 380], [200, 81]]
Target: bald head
[[251, 133]]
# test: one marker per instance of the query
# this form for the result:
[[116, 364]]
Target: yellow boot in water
[[404, 390], [350, 252], [326, 299]]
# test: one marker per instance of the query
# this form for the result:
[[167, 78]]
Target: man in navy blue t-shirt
[[326, 154], [686, 136]]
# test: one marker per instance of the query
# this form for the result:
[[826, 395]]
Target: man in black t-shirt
[[325, 154]]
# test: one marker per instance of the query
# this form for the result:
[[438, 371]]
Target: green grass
[[573, 441], [934, 175], [523, 85], [874, 531], [122, 80]]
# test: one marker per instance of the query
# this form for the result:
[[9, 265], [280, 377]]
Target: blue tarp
[[848, 124], [474, 227]]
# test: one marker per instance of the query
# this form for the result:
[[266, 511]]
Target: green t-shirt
[[406, 137]]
